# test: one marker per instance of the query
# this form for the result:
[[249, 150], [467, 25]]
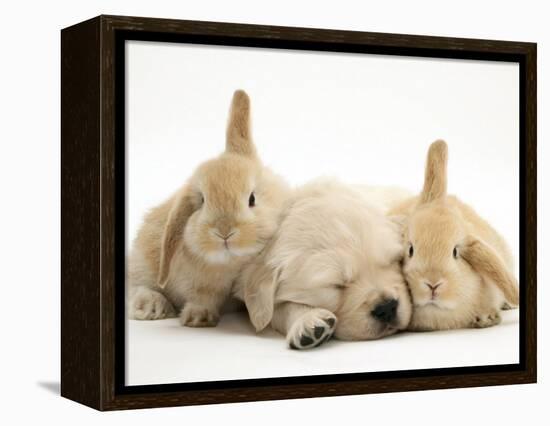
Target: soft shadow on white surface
[[53, 387], [165, 352]]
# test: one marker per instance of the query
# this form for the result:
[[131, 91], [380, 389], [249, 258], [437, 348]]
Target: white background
[[29, 174], [364, 118]]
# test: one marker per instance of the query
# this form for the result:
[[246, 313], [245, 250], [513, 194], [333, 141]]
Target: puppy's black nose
[[385, 311]]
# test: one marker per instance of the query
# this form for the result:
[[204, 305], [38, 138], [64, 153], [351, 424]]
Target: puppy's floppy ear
[[435, 177], [238, 134], [259, 294], [399, 221], [489, 265], [182, 208]]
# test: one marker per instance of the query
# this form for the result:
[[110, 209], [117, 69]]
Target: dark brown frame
[[92, 206]]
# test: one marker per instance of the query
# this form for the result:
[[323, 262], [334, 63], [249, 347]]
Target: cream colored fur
[[333, 260], [385, 197], [191, 247], [449, 247]]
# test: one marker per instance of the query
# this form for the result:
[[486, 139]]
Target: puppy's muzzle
[[386, 311]]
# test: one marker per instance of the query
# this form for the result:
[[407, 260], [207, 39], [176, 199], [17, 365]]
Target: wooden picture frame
[[92, 206]]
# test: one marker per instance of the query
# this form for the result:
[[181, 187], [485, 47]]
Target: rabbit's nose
[[386, 311], [225, 236], [433, 287], [224, 227], [228, 236]]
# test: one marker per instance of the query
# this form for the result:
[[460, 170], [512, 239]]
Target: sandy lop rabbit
[[459, 269], [331, 268], [191, 247]]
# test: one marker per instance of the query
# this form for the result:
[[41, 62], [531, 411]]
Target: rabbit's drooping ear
[[180, 212], [435, 178], [488, 264], [238, 135], [259, 295]]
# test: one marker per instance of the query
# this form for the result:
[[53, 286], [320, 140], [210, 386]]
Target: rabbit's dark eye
[[201, 198], [411, 250], [252, 200], [455, 253]]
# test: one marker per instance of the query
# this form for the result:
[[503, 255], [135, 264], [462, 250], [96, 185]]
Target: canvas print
[[293, 213]]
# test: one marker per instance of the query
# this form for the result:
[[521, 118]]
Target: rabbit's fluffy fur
[[331, 268], [190, 248], [458, 268]]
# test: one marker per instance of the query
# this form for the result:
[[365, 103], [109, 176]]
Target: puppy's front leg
[[305, 327]]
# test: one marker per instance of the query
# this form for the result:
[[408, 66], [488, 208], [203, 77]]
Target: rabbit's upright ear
[[259, 294], [435, 178], [180, 212], [238, 135], [485, 261]]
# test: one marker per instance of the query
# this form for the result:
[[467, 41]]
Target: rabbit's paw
[[312, 329], [193, 315], [148, 304], [506, 306], [487, 320]]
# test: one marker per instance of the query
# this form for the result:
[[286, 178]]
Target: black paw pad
[[318, 331], [330, 322], [306, 340]]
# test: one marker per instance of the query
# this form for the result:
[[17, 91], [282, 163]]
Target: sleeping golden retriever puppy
[[332, 268]]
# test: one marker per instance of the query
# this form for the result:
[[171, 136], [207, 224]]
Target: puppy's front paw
[[148, 304], [312, 329], [198, 316], [487, 320]]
